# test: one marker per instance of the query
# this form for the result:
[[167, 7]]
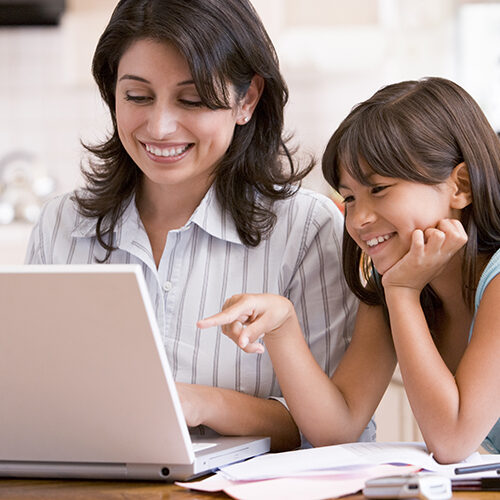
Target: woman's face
[[172, 137]]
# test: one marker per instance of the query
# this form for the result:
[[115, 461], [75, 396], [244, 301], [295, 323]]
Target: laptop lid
[[84, 377]]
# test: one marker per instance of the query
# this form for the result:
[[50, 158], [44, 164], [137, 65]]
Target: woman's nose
[[161, 122]]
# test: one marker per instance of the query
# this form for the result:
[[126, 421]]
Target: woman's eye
[[347, 199], [140, 99]]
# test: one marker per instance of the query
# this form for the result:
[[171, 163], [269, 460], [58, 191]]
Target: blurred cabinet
[[394, 418], [13, 242]]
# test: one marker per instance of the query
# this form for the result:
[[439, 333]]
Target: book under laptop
[[85, 386]]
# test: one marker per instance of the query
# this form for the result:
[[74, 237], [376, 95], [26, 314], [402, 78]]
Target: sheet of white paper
[[310, 460], [327, 458]]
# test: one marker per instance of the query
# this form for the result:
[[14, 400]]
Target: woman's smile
[[168, 153]]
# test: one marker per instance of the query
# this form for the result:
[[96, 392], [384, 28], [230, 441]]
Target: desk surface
[[17, 489]]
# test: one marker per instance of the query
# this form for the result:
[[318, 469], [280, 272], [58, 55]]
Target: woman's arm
[[235, 413], [454, 412], [327, 411]]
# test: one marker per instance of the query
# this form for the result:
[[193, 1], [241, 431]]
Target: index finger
[[232, 313]]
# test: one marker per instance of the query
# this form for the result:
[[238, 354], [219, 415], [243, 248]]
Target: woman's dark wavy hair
[[224, 42], [419, 131]]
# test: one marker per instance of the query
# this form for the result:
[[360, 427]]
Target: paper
[[325, 484], [291, 463], [327, 472]]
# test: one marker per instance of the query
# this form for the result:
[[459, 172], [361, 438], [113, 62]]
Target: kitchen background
[[333, 53]]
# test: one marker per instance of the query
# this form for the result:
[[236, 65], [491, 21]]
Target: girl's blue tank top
[[492, 441]]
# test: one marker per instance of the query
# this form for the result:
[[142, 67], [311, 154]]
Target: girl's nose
[[161, 122], [361, 215]]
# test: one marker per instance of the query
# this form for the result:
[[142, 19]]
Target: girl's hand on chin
[[247, 318], [430, 251]]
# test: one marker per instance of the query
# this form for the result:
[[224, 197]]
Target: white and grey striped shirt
[[204, 263]]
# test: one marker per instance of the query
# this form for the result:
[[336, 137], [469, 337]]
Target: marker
[[478, 468]]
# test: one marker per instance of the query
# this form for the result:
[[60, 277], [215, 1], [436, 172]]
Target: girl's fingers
[[252, 332], [434, 239], [236, 312], [417, 242], [455, 233]]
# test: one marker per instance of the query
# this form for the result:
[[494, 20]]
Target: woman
[[190, 184]]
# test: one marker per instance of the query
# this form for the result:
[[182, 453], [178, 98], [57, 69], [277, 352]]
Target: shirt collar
[[209, 216], [213, 219]]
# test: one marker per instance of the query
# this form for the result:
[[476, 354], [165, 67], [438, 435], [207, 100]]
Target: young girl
[[418, 167], [195, 183]]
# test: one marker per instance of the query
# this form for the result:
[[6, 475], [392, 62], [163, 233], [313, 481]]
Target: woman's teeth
[[166, 152], [377, 240]]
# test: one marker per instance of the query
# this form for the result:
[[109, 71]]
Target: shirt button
[[167, 286]]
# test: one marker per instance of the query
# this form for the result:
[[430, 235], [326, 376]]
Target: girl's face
[[381, 216], [172, 137]]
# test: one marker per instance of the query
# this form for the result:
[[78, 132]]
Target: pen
[[481, 484], [477, 468]]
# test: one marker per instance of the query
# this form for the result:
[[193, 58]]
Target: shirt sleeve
[[34, 253], [325, 306]]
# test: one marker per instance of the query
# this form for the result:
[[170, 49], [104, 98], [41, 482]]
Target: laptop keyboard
[[197, 446]]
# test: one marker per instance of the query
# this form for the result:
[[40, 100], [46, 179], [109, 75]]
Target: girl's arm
[[326, 411], [454, 413]]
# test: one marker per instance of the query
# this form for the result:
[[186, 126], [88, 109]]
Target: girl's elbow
[[333, 438], [450, 451]]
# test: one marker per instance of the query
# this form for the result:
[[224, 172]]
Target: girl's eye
[[378, 189], [139, 99], [347, 199]]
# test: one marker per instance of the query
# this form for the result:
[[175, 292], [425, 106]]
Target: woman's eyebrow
[[134, 77]]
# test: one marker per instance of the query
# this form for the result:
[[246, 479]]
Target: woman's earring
[[246, 119]]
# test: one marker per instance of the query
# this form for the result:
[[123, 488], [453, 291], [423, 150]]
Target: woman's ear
[[250, 100], [460, 185]]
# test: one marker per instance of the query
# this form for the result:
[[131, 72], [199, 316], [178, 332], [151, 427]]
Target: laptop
[[85, 386]]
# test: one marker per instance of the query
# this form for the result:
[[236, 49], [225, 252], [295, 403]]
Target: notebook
[[86, 389]]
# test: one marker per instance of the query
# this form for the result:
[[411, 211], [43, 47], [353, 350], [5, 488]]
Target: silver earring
[[246, 119]]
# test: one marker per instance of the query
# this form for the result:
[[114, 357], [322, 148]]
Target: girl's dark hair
[[419, 131], [224, 42]]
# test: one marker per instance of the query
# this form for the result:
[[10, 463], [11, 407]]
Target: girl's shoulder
[[490, 271]]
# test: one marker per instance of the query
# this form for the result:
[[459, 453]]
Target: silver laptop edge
[[80, 409]]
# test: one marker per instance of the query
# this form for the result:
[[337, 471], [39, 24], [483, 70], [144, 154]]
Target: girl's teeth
[[167, 152], [377, 240]]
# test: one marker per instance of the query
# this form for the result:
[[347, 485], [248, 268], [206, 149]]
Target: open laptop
[[85, 386]]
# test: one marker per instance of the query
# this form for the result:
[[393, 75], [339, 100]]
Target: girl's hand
[[247, 318], [430, 251]]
